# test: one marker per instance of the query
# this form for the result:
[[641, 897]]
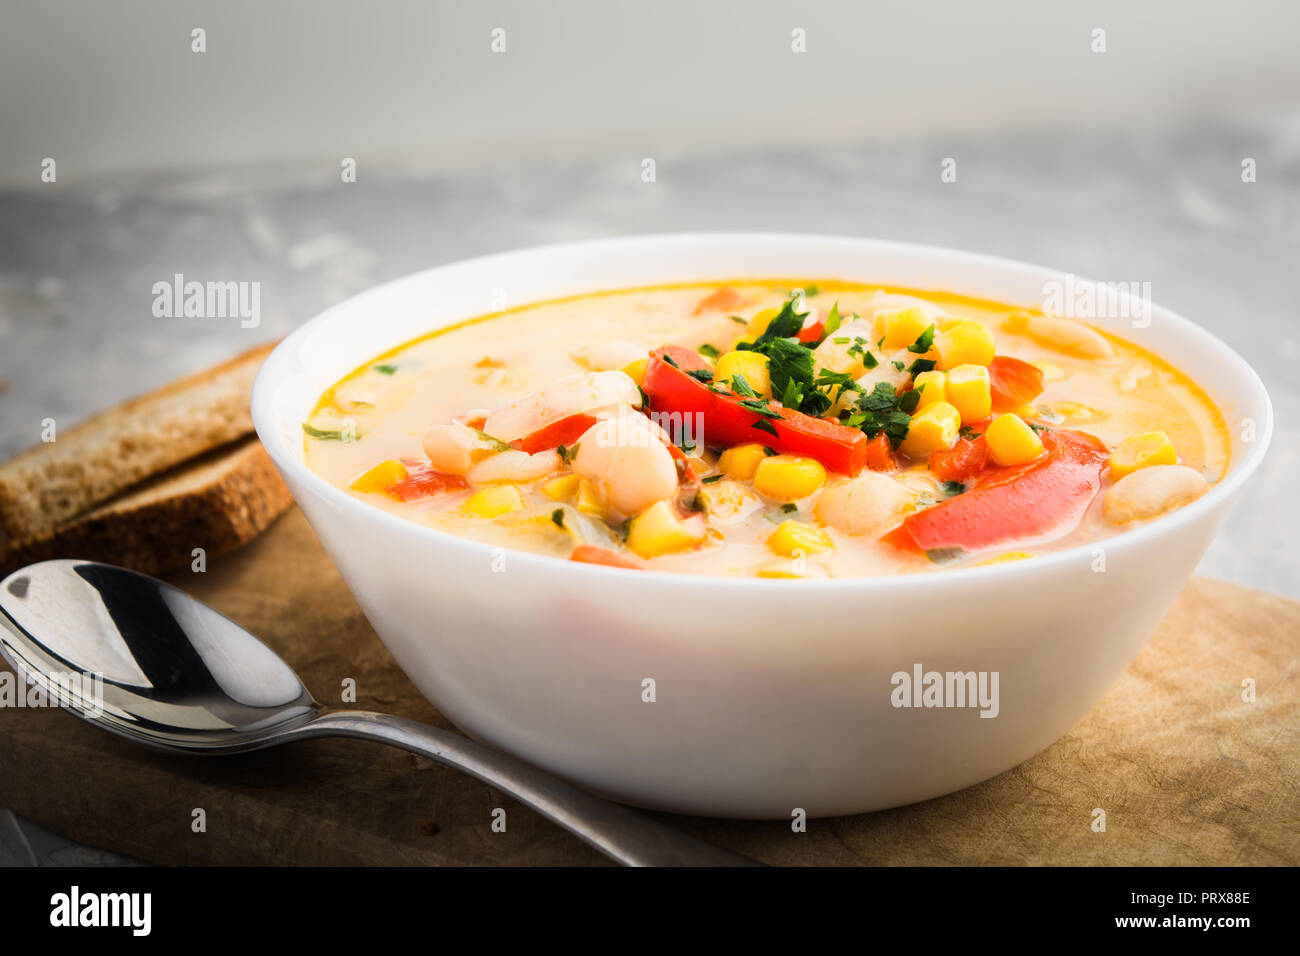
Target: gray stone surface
[[78, 261]]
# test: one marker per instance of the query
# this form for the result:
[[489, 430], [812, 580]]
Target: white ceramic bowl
[[769, 695]]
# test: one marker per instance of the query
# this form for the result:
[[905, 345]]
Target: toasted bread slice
[[50, 484], [216, 502]]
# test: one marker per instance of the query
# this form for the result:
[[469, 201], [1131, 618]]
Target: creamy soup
[[752, 428]]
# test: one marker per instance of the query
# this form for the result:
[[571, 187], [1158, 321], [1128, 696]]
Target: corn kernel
[[933, 386], [969, 392], [759, 323], [741, 461], [636, 370], [1011, 441], [788, 477], [902, 327], [589, 501], [1141, 451], [933, 428], [495, 501], [779, 570], [381, 477], [966, 343], [751, 365], [658, 530], [792, 538], [562, 488], [1003, 558]]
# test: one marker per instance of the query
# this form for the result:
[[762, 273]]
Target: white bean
[[515, 465], [865, 504], [627, 463], [1152, 491], [451, 448]]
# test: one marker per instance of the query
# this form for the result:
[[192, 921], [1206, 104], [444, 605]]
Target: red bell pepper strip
[[727, 422], [880, 453], [1047, 496], [962, 462], [812, 333], [421, 481], [1013, 383], [590, 554], [564, 432]]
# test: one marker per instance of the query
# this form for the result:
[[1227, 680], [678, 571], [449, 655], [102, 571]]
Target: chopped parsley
[[740, 385], [951, 488], [944, 555], [923, 342], [331, 434], [496, 443], [558, 517], [708, 351], [968, 432], [883, 409], [710, 479], [921, 365], [701, 374], [385, 369], [765, 426], [833, 320]]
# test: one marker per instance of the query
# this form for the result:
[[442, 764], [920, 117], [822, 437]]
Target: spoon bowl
[[150, 663]]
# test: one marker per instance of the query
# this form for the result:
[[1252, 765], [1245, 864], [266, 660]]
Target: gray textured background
[[1127, 175]]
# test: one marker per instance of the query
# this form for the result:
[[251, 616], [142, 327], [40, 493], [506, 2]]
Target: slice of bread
[[215, 502], [89, 463]]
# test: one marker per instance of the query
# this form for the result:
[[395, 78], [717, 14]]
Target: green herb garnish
[[496, 443], [330, 434], [558, 517], [385, 369], [923, 342], [710, 479], [765, 426], [951, 488], [708, 351]]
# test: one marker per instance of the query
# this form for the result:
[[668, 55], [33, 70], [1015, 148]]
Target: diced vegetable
[[969, 392], [495, 501], [590, 554], [880, 453], [788, 477], [636, 370], [964, 461], [964, 343], [422, 481], [933, 428], [1141, 451], [902, 327], [562, 488], [731, 420], [564, 432], [1013, 383], [381, 477], [752, 366], [932, 386], [1047, 496], [794, 537], [741, 461], [1011, 441], [658, 530]]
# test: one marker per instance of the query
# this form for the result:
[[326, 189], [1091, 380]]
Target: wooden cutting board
[[1186, 771]]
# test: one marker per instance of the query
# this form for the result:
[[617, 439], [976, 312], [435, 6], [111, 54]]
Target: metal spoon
[[179, 676]]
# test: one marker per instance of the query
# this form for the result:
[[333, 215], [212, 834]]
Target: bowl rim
[[279, 363]]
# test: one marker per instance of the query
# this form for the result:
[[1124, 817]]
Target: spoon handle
[[620, 833]]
